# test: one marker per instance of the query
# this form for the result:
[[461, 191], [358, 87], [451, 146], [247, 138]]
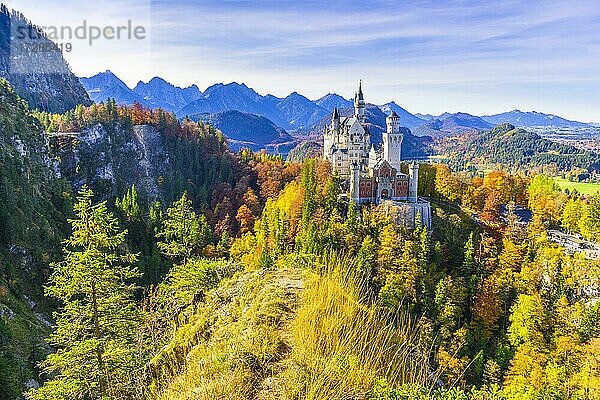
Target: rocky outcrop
[[111, 159]]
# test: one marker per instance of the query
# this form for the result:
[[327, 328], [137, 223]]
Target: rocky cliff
[[42, 78]]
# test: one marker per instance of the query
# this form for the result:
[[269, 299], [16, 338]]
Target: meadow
[[581, 187]]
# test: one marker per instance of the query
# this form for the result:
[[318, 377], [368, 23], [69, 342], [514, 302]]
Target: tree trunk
[[101, 380]]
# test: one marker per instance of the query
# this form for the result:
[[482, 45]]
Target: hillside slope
[[286, 334], [304, 151], [32, 226], [246, 130]]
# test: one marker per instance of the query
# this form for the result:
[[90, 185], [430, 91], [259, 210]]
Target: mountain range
[[107, 85], [532, 118], [292, 112], [295, 113], [451, 124], [162, 94]]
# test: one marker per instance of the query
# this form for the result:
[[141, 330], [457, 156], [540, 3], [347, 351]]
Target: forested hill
[[514, 148], [42, 78], [32, 210], [252, 278], [246, 130], [126, 155], [120, 146]]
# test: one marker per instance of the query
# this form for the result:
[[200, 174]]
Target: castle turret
[[331, 135], [355, 182], [392, 141], [359, 104], [393, 122], [413, 182], [335, 120]]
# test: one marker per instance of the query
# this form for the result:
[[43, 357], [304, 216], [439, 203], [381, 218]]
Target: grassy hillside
[[581, 187], [288, 333]]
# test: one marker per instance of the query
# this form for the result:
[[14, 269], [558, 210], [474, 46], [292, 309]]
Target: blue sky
[[429, 56]]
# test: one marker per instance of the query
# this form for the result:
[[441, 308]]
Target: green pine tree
[[96, 325], [129, 206], [184, 233]]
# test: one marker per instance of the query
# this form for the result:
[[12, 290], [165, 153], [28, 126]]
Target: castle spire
[[359, 103], [360, 93], [335, 120]]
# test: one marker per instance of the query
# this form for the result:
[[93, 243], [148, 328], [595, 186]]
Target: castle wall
[[408, 215], [401, 187]]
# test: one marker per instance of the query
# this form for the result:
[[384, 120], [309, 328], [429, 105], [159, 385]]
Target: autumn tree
[[592, 218], [245, 218], [572, 215], [447, 185], [491, 209], [545, 198]]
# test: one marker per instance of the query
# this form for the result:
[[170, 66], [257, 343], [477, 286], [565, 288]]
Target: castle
[[373, 172]]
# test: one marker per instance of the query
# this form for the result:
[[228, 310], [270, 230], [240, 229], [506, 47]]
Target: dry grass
[[289, 334], [341, 346]]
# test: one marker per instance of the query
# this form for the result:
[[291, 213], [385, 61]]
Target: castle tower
[[359, 104], [413, 182], [372, 157], [392, 141], [335, 120], [331, 135], [355, 182]]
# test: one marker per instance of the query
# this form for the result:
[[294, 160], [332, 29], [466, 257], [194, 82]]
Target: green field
[[581, 187]]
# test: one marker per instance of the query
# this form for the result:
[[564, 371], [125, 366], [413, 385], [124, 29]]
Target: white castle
[[373, 171]]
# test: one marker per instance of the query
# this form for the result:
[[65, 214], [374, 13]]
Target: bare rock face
[[42, 78], [111, 159], [149, 144]]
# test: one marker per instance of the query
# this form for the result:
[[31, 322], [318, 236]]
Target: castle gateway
[[373, 172]]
